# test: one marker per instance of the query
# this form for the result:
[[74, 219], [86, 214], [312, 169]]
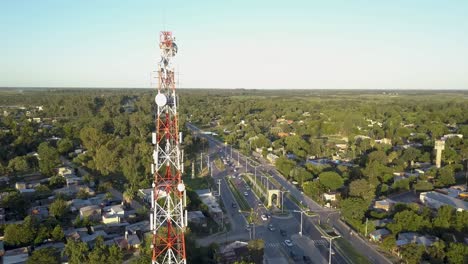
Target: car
[[264, 218], [247, 188], [283, 232], [307, 259], [247, 227], [271, 227], [234, 205], [294, 256], [288, 243], [246, 193]]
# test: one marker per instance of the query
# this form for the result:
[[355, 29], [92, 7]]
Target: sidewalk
[[308, 246]]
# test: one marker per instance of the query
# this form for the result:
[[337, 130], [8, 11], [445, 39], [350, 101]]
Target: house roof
[[445, 199], [133, 240], [380, 232]]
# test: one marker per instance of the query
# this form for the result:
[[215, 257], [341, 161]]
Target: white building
[[436, 200]]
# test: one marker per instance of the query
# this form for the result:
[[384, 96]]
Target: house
[[133, 240], [16, 256], [385, 204], [65, 171], [406, 238], [2, 248], [329, 196], [109, 218], [145, 195], [291, 156], [233, 252], [2, 216], [93, 212], [426, 241], [197, 217], [20, 186], [40, 211], [272, 158], [382, 222], [60, 246], [143, 226], [379, 234], [210, 201], [386, 141], [114, 214], [90, 239], [436, 200]]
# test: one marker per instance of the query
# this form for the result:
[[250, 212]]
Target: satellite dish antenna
[[160, 99], [181, 187]]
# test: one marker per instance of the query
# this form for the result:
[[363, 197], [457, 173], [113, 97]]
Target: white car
[[246, 193], [288, 243], [264, 217]]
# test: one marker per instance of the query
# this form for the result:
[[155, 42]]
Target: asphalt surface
[[274, 241]]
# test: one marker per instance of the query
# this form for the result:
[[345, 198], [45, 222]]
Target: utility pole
[[208, 163], [219, 187], [193, 170], [211, 170], [230, 156], [238, 161], [367, 220], [201, 162], [256, 184]]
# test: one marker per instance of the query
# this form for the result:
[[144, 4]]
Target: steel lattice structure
[[168, 216]]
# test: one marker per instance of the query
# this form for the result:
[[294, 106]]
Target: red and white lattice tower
[[168, 216]]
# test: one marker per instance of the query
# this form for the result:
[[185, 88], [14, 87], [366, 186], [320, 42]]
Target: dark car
[[283, 232], [234, 205], [294, 256], [307, 259]]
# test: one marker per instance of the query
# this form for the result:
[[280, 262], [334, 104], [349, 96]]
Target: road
[[275, 248], [309, 229]]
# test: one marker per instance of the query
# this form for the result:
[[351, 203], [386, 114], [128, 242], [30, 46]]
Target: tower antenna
[[168, 217]]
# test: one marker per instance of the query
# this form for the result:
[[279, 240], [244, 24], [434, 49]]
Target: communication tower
[[168, 218]]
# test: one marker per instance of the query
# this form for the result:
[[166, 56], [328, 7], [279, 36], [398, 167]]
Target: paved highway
[[272, 241]]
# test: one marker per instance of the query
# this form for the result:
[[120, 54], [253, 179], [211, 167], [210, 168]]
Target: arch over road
[[271, 194]]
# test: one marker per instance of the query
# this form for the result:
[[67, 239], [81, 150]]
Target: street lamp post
[[296, 211], [330, 249], [282, 207], [245, 164]]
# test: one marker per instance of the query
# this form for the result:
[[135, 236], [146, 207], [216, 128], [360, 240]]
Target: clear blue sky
[[237, 44]]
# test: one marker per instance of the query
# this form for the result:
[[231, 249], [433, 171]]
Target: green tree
[[64, 146], [57, 233], [77, 252], [331, 180], [445, 176], [42, 234], [115, 254], [256, 248], [20, 234], [19, 164], [457, 253], [436, 252], [412, 253], [48, 158], [284, 165], [58, 208], [99, 253], [362, 188], [47, 255]]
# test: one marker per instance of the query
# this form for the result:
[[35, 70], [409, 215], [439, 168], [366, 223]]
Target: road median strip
[[243, 205]]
